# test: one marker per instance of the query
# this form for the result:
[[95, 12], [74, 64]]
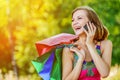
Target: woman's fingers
[[88, 27], [80, 52], [76, 44], [73, 49], [83, 52], [86, 32], [91, 27]]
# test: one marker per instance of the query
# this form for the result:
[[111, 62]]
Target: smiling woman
[[78, 21], [91, 56], [82, 56]]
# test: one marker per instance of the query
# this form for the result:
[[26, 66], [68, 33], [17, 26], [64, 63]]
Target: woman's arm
[[68, 72], [102, 64]]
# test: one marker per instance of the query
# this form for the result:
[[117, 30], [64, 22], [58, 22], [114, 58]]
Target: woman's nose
[[75, 23]]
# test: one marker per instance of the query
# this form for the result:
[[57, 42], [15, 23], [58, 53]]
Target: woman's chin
[[81, 33], [78, 33]]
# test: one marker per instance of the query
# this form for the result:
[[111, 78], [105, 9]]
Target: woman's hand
[[80, 53], [90, 33]]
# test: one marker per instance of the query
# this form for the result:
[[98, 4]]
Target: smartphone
[[86, 28]]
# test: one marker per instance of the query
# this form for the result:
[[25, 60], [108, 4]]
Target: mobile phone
[[86, 28]]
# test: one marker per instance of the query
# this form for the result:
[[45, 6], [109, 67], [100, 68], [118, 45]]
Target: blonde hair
[[101, 31]]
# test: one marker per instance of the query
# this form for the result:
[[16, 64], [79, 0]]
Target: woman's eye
[[72, 20], [79, 18]]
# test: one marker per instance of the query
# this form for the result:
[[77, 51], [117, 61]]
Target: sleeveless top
[[89, 70]]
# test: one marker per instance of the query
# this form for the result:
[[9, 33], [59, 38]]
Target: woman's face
[[79, 19]]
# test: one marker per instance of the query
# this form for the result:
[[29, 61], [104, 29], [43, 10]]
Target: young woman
[[90, 57]]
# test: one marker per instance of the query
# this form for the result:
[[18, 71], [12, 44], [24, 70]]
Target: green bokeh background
[[23, 22]]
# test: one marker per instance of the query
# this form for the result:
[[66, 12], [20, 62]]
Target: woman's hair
[[101, 31]]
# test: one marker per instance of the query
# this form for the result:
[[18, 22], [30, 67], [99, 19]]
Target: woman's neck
[[82, 38]]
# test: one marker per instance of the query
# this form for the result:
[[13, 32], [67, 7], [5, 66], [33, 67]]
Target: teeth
[[77, 28]]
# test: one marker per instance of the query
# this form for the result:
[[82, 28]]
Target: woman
[[90, 57]]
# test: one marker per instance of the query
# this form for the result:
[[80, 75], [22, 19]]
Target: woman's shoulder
[[106, 44], [67, 52]]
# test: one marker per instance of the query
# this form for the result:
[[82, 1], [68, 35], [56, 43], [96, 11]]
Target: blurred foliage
[[23, 22]]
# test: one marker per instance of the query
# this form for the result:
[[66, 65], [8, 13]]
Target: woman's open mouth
[[77, 28]]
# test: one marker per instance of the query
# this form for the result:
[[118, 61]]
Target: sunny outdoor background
[[23, 22]]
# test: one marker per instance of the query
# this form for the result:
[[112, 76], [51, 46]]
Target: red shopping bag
[[49, 43]]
